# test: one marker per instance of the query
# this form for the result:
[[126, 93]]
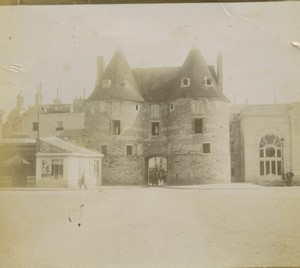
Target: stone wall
[[187, 162], [118, 167], [235, 149]]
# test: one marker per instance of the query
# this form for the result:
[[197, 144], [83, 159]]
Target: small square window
[[116, 127], [129, 150], [57, 168], [198, 125], [208, 82], [155, 128], [206, 148], [104, 149], [60, 125], [172, 106], [35, 126]]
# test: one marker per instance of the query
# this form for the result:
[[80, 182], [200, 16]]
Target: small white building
[[61, 164], [265, 142]]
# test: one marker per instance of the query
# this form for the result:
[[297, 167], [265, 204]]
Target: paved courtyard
[[236, 225]]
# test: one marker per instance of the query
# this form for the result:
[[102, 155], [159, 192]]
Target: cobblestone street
[[234, 225]]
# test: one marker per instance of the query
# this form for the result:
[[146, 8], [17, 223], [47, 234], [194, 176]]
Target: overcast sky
[[58, 46]]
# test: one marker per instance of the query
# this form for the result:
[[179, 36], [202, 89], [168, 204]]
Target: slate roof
[[57, 145], [159, 84], [154, 83], [196, 69], [72, 133], [117, 72], [17, 141]]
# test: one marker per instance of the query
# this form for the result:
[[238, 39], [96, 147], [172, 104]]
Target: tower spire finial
[[119, 50], [195, 46]]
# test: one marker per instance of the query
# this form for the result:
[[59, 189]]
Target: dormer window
[[208, 82], [127, 84], [185, 82], [106, 83]]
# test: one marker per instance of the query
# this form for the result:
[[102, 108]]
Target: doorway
[[156, 171]]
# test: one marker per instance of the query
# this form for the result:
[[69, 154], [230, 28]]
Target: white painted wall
[[49, 123], [73, 168], [257, 124]]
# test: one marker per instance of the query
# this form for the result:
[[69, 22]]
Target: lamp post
[[282, 158], [38, 127]]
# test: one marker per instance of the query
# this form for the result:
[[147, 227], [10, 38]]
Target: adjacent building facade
[[50, 162], [174, 117], [44, 120], [265, 142], [62, 164]]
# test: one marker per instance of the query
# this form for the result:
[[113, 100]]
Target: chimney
[[100, 69], [220, 70], [38, 95], [57, 100]]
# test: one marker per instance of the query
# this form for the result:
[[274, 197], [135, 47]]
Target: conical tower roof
[[118, 82], [195, 79]]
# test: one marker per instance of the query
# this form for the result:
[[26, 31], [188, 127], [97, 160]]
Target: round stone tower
[[149, 122], [114, 123], [198, 134]]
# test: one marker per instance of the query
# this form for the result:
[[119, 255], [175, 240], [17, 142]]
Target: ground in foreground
[[231, 226]]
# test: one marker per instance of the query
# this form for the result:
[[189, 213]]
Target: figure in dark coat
[[82, 181]]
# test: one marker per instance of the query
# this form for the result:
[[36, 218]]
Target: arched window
[[106, 83], [270, 155], [185, 82]]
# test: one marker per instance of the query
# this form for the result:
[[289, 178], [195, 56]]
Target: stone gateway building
[[164, 122]]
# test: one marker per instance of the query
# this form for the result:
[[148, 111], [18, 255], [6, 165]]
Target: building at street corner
[[50, 163], [265, 142], [61, 164], [170, 122]]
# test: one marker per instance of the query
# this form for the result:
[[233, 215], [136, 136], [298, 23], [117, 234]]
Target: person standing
[[82, 181]]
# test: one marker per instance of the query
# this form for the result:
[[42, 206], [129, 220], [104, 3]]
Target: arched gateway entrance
[[156, 170]]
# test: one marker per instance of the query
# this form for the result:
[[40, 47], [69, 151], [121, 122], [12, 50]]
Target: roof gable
[[202, 80], [118, 82], [158, 84]]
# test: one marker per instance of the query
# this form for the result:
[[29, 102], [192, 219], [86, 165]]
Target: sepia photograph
[[149, 135]]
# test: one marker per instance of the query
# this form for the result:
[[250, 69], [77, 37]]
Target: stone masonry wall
[[118, 167], [187, 163]]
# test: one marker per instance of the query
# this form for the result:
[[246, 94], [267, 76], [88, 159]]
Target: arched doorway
[[156, 170], [270, 156]]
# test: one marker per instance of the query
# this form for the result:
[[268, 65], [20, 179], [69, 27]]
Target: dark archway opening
[[156, 171]]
